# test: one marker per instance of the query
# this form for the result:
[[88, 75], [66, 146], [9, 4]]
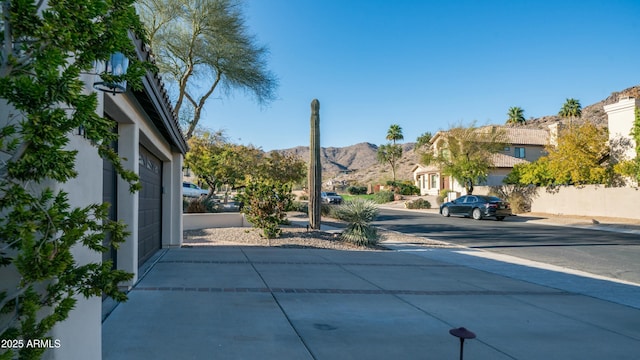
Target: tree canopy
[[423, 140], [394, 133], [571, 109], [202, 46], [516, 116], [391, 153], [466, 153], [216, 161], [579, 158]]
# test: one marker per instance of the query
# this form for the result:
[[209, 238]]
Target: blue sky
[[426, 65]]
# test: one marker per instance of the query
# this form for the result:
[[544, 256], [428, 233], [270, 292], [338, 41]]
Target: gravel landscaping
[[294, 236]]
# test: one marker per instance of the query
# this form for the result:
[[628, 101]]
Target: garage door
[[149, 206]]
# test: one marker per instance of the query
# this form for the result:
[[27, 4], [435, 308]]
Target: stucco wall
[[591, 200], [204, 221]]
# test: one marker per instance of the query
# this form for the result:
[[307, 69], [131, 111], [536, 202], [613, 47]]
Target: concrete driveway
[[283, 303]]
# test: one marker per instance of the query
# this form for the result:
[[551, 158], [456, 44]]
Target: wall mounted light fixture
[[116, 65]]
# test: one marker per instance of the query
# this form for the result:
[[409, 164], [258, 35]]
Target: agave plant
[[359, 213]]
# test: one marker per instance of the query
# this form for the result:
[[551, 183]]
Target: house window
[[519, 153], [433, 181]]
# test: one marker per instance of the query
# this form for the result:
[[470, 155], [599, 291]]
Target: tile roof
[[514, 135], [505, 161], [521, 136]]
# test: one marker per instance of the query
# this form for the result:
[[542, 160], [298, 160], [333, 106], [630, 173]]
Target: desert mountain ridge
[[358, 163]]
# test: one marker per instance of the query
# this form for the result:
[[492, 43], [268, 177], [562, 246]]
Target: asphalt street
[[608, 254]]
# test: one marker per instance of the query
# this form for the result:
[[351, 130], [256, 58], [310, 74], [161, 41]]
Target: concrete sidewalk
[[283, 303]]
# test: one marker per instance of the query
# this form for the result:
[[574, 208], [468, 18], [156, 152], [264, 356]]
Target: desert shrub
[[211, 205], [418, 204], [359, 213], [299, 206], [201, 205], [357, 190], [303, 197], [195, 206], [326, 210], [384, 197], [518, 196], [409, 189], [265, 203], [442, 196], [404, 188]]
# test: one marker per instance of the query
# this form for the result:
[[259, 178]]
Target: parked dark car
[[330, 197], [477, 207]]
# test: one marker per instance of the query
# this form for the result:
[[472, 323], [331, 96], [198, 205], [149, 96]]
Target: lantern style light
[[116, 65]]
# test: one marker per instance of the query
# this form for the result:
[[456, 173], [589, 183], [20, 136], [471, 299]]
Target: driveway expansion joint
[[354, 291]]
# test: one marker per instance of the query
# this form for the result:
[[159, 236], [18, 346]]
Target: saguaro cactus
[[315, 168]]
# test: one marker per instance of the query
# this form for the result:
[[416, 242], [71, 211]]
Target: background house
[[523, 146], [621, 117]]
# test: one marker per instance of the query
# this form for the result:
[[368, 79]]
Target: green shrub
[[357, 190], [404, 188], [265, 203], [201, 205], [359, 213], [442, 196], [195, 207], [519, 197], [418, 204], [384, 197], [299, 206], [211, 205], [326, 209]]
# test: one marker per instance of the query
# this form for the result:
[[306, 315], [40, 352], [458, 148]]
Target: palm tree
[[516, 116], [394, 133], [571, 109], [390, 153]]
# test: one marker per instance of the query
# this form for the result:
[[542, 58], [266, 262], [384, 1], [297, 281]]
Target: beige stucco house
[[151, 142], [621, 116], [527, 145], [523, 146]]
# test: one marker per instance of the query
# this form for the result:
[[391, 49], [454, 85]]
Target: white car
[[192, 190], [330, 197]]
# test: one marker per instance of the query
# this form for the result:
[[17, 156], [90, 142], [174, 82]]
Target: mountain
[[593, 113], [358, 163]]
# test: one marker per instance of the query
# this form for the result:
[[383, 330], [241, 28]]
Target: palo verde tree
[[392, 152], [466, 153], [201, 46], [515, 116], [45, 51]]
